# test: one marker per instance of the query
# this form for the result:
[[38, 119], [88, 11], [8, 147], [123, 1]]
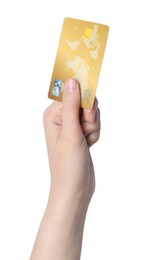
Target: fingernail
[[70, 85]]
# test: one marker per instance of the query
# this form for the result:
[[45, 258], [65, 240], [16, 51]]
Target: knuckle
[[95, 125], [97, 138], [94, 138]]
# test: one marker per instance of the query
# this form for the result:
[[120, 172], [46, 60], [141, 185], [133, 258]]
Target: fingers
[[88, 115], [70, 108], [64, 116], [93, 138], [93, 131], [90, 120], [90, 127]]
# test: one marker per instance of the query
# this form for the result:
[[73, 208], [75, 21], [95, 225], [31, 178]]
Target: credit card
[[80, 53]]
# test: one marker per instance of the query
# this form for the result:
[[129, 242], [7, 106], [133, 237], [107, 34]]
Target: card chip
[[87, 33]]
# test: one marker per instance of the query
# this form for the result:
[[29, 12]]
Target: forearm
[[61, 231]]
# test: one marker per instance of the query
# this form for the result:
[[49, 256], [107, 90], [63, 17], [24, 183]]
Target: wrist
[[61, 229], [67, 206]]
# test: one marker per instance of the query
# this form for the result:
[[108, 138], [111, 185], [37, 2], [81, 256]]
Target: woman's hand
[[70, 131]]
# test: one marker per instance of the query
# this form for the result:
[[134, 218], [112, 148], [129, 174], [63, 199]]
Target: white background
[[29, 34]]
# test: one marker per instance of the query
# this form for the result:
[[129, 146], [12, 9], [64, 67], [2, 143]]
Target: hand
[[70, 131]]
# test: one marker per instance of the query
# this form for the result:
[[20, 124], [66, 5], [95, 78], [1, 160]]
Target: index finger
[[88, 115]]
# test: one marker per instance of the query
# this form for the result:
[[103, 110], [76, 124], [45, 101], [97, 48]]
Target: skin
[[70, 131]]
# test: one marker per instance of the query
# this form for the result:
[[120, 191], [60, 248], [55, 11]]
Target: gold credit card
[[79, 56]]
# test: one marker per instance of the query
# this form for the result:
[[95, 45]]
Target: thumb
[[70, 109]]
